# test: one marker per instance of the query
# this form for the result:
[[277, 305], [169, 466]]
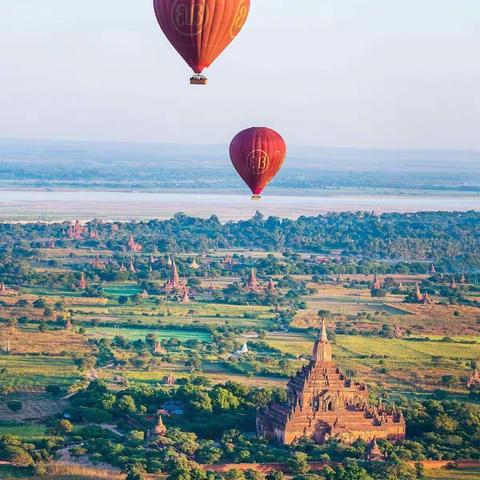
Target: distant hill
[[60, 164]]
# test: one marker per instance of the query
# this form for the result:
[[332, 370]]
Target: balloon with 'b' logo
[[258, 154], [200, 30]]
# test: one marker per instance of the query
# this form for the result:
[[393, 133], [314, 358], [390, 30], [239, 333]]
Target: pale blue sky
[[364, 73]]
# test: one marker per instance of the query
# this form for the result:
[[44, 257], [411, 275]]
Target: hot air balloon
[[200, 30], [258, 154]]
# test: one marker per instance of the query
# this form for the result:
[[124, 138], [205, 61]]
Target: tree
[[298, 462], [135, 472], [63, 427], [123, 300], [18, 456], [127, 404], [14, 405], [351, 471], [77, 451], [223, 399]]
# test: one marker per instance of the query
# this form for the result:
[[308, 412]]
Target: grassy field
[[28, 432], [464, 474], [398, 363], [29, 371], [137, 333]]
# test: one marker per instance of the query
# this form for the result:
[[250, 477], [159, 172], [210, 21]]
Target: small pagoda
[[252, 284], [373, 453], [427, 300], [453, 284], [133, 246], [185, 298], [82, 283], [418, 294], [271, 289], [174, 284], [131, 267], [377, 283], [98, 263], [473, 379]]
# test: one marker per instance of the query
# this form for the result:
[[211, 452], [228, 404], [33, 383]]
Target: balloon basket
[[198, 80], [256, 198]]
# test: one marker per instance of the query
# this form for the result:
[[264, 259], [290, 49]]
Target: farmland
[[104, 334]]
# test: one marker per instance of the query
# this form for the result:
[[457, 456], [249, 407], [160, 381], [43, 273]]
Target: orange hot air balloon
[[200, 30], [258, 154]]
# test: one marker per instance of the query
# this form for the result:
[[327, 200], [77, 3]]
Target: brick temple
[[323, 403]]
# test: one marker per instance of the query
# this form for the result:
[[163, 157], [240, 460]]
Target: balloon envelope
[[200, 30], [258, 154]]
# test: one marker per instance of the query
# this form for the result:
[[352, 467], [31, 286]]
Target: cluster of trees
[[439, 236]]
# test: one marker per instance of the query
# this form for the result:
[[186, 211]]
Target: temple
[[185, 297], [377, 284], [473, 379], [76, 231], [252, 284], [271, 289], [418, 294], [133, 246], [174, 284], [4, 290], [323, 403], [82, 283]]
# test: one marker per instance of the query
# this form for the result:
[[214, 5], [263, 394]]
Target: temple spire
[[323, 333]]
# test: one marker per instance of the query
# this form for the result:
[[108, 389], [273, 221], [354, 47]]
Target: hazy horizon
[[377, 75]]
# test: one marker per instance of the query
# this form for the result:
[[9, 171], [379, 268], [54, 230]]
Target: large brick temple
[[322, 403]]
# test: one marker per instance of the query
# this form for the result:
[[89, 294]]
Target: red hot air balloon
[[257, 155], [200, 30]]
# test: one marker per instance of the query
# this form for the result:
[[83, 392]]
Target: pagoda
[[453, 284], [131, 267], [373, 453], [271, 289], [169, 380], [463, 280], [174, 284], [426, 299], [94, 234], [133, 246], [122, 268], [433, 270], [76, 231], [4, 290], [82, 284], [473, 379], [194, 265], [144, 295], [252, 284], [377, 284], [98, 264], [228, 260], [418, 294], [185, 298], [159, 430], [323, 403]]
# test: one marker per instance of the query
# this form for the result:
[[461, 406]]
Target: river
[[40, 205]]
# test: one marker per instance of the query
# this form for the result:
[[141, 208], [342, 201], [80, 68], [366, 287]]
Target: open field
[[464, 474], [451, 320], [32, 341], [35, 406], [400, 364], [27, 372], [30, 432]]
